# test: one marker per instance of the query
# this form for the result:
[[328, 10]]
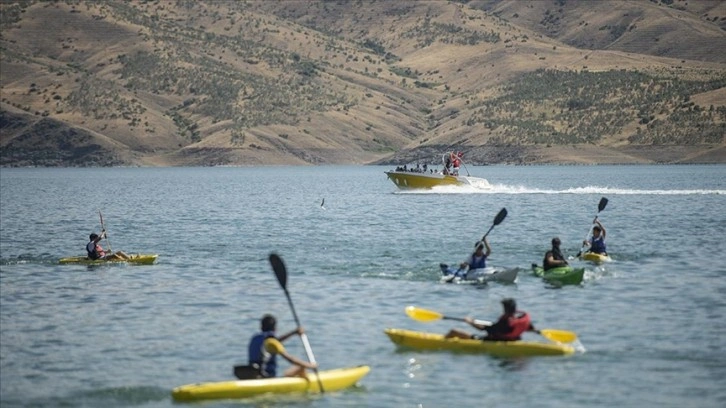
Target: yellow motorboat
[[414, 180]]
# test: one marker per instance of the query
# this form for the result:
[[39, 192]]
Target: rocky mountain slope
[[168, 83]]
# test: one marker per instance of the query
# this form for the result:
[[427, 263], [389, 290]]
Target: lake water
[[653, 322]]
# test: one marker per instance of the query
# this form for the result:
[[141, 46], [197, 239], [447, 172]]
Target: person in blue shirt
[[265, 346], [478, 259], [597, 241]]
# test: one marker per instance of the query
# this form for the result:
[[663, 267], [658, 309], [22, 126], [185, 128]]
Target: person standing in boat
[[554, 258], [597, 241], [477, 260], [456, 160], [95, 251], [510, 326], [447, 163], [265, 346]]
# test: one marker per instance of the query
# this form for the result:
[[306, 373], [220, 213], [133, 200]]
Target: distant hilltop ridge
[[207, 83]]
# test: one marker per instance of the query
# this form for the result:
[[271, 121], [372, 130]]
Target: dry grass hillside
[[167, 83]]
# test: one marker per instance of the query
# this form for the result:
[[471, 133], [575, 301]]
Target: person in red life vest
[[95, 251], [509, 327], [456, 160]]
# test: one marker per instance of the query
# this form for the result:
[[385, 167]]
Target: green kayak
[[563, 275]]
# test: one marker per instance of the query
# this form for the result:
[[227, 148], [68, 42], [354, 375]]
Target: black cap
[[556, 241]]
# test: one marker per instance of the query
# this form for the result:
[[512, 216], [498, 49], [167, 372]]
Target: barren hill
[[160, 83]]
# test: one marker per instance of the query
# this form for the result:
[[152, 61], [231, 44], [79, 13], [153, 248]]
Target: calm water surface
[[652, 322]]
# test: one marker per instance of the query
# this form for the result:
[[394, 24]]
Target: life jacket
[[597, 245], [478, 263], [519, 323], [556, 255], [259, 356], [94, 251]]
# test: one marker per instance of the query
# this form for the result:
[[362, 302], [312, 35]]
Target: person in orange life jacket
[[509, 327], [95, 251], [264, 347], [477, 260], [597, 241], [554, 258]]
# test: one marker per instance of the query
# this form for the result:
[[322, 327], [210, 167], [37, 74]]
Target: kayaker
[[597, 241], [95, 251], [554, 258], [478, 259], [264, 347], [509, 327]]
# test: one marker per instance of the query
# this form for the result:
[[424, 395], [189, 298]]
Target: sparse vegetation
[[585, 107], [190, 80]]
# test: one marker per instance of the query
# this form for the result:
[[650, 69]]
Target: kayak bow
[[596, 258]]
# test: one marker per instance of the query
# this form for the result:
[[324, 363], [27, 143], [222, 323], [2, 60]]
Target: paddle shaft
[[103, 230], [281, 274], [461, 319], [304, 337]]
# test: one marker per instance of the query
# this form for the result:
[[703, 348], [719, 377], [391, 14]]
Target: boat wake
[[482, 186]]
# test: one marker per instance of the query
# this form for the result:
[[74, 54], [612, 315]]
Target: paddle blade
[[280, 271], [501, 216], [603, 203], [562, 336], [422, 315]]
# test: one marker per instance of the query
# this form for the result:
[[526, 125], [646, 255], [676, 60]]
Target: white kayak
[[478, 276]]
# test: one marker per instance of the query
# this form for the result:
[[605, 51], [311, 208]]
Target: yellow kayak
[[333, 380], [432, 341], [597, 258], [143, 259]]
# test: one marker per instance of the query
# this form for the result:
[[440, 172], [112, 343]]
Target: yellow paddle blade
[[563, 336], [422, 315]]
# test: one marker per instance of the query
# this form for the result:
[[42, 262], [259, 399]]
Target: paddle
[[497, 220], [425, 315], [281, 273], [103, 230], [600, 207]]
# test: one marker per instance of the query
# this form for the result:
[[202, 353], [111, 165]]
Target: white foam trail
[[482, 186]]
